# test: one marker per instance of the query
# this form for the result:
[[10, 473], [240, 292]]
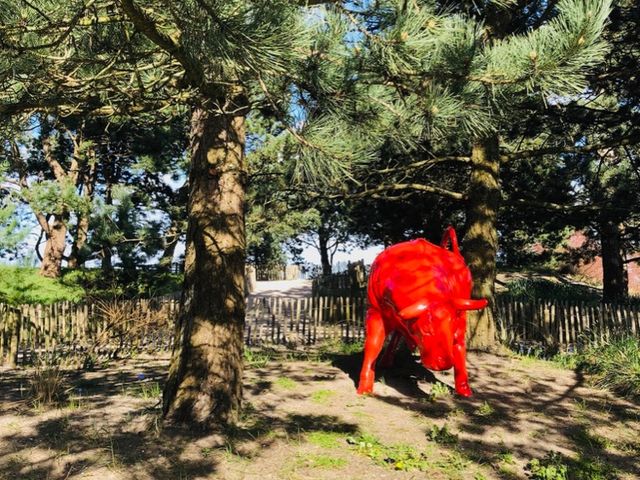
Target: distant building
[[592, 269]]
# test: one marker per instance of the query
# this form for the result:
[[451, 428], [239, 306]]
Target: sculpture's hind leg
[[390, 352], [374, 340]]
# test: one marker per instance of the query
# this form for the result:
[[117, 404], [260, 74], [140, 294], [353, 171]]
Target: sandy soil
[[303, 420]]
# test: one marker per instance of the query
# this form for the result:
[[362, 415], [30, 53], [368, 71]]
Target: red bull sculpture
[[420, 292]]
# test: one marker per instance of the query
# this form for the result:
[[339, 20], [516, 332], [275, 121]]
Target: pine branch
[[147, 25], [629, 139], [416, 187], [422, 163]]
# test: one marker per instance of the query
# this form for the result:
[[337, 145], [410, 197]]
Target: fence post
[[14, 331]]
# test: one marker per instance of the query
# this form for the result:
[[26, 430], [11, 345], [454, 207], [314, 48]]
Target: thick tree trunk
[[614, 279], [76, 258], [54, 248], [205, 378], [481, 238], [323, 244]]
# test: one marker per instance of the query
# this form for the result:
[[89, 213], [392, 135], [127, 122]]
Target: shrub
[[530, 288], [19, 285]]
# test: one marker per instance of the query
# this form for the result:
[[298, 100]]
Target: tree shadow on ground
[[114, 431], [517, 410]]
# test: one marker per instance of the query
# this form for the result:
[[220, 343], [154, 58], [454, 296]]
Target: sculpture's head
[[433, 324]]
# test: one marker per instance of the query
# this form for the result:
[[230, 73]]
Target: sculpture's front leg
[[460, 367], [375, 334]]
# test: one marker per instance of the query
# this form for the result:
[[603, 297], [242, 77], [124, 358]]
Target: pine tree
[[466, 74]]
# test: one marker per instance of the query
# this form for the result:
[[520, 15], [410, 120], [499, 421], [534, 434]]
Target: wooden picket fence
[[100, 328], [563, 323], [304, 321], [120, 327]]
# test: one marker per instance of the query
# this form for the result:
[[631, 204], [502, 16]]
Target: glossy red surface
[[420, 292]]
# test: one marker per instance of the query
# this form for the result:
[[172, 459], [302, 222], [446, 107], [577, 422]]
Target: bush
[[530, 288], [20, 285], [614, 365]]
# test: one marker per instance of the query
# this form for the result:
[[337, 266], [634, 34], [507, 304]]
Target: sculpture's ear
[[469, 303], [414, 310]]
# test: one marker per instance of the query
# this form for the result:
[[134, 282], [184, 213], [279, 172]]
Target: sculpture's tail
[[450, 236]]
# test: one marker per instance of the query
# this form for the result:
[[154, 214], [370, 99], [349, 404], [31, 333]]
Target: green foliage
[[10, 232], [323, 461], [537, 288], [398, 457], [285, 383], [146, 390], [256, 358], [339, 347], [144, 283], [19, 285], [614, 365], [551, 467], [325, 439], [442, 435], [322, 397], [439, 390], [555, 466], [406, 457]]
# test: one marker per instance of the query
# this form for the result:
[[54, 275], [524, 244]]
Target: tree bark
[[204, 386], [323, 246], [614, 280], [78, 256], [54, 247], [481, 238]]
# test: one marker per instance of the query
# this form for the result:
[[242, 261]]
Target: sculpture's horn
[[469, 303], [414, 310]]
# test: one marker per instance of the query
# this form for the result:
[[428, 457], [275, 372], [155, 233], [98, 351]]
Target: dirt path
[[283, 288], [303, 420]]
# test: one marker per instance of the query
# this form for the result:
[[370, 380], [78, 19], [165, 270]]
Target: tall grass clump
[[614, 365], [47, 386]]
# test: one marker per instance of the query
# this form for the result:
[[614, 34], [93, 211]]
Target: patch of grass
[[322, 397], [484, 410], [206, 451], [442, 435], [257, 358], [585, 440], [20, 285], [339, 347], [554, 466], [323, 461], [398, 457], [47, 386], [614, 365], [285, 383], [75, 402], [146, 390], [325, 439], [439, 390]]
